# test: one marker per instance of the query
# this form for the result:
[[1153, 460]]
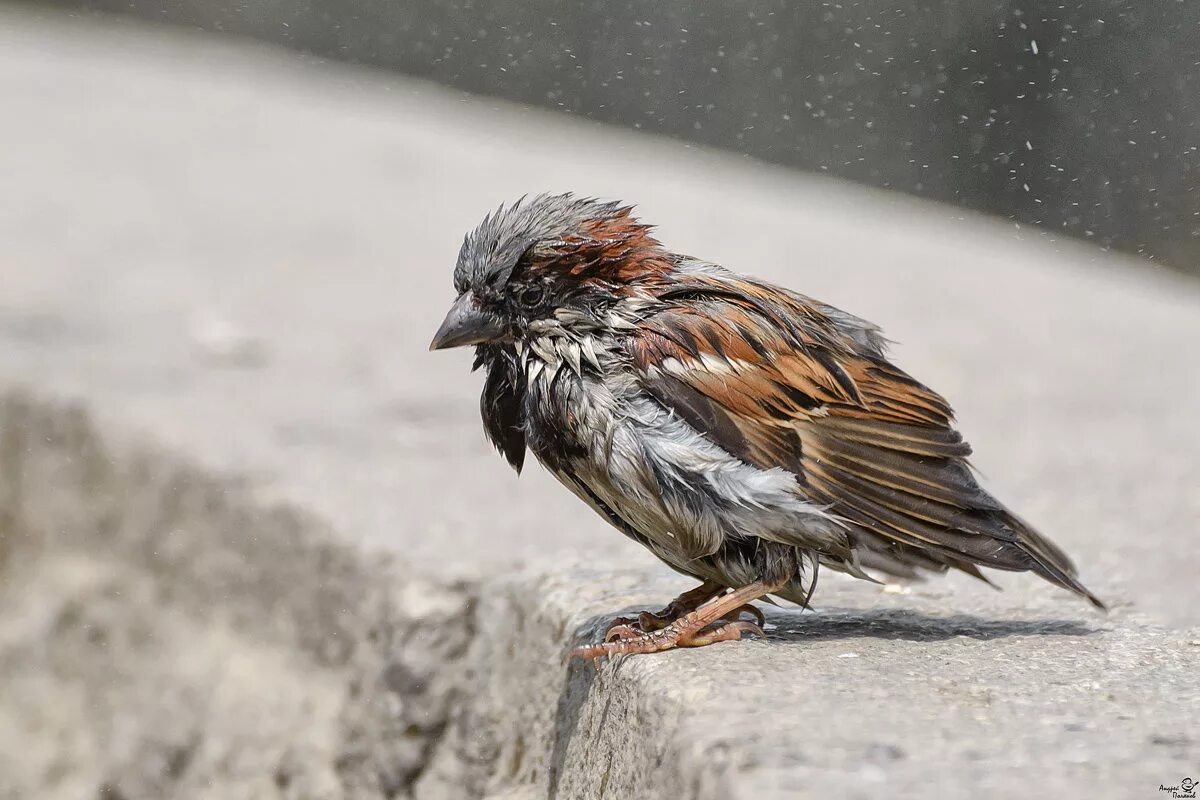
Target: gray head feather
[[491, 251]]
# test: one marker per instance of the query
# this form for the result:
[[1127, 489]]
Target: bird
[[744, 434]]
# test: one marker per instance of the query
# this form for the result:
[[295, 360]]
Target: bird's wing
[[778, 380]]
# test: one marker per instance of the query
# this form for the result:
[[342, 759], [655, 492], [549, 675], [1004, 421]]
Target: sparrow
[[744, 434]]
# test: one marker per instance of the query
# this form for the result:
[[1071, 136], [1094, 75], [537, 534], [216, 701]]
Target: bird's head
[[553, 262]]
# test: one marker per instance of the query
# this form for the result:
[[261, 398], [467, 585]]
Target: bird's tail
[[1049, 561]]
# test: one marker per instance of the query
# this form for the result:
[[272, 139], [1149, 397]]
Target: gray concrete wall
[[1083, 119]]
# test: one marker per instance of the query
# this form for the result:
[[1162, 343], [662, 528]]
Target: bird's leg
[[754, 611], [648, 621], [657, 620], [625, 628], [696, 628], [728, 632]]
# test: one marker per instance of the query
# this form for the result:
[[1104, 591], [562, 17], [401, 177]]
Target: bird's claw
[[729, 632], [650, 621], [622, 632], [628, 640]]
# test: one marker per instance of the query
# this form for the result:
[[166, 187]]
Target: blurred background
[[253, 542], [1081, 119]]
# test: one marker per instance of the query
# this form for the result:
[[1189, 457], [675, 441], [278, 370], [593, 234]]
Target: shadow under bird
[[744, 434]]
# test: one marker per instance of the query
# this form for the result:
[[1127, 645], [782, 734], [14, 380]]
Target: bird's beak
[[466, 323]]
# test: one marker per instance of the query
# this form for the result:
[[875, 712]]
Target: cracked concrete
[[252, 541]]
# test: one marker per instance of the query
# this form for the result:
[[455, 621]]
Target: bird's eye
[[531, 295]]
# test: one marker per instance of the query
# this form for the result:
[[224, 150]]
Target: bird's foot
[[704, 625], [689, 601], [651, 621], [645, 622], [628, 640]]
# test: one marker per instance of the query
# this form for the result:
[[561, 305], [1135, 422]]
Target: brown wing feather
[[779, 381]]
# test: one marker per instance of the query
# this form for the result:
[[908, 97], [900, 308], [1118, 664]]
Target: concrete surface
[[166, 634], [249, 522]]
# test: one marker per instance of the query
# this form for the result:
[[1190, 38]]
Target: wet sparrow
[[744, 434]]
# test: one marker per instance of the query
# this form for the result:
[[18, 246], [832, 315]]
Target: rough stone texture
[[1082, 118], [899, 696], [290, 545], [166, 634]]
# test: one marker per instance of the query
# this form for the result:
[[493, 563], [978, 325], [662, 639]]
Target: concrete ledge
[[900, 697], [167, 634]]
